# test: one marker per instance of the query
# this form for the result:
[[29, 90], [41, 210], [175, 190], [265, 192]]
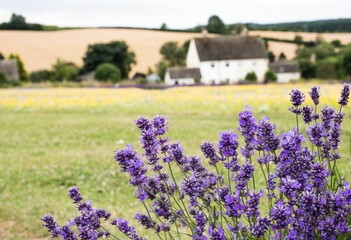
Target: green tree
[[2, 57], [304, 53], [282, 56], [251, 77], [307, 68], [18, 22], [327, 68], [164, 27], [271, 56], [23, 75], [298, 39], [108, 72], [270, 76], [161, 69], [173, 54], [346, 62], [62, 70], [324, 50], [116, 53], [215, 25], [336, 43]]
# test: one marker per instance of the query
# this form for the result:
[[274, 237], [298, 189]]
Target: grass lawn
[[51, 139]]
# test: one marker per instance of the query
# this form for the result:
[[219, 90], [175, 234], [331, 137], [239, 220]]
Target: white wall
[[181, 81], [192, 58], [232, 71], [287, 77]]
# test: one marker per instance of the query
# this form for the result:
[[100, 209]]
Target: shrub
[[3, 78], [63, 70], [108, 72], [23, 75], [270, 76], [41, 76], [251, 77], [305, 195]]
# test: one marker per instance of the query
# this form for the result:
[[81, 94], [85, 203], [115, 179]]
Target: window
[[227, 64]]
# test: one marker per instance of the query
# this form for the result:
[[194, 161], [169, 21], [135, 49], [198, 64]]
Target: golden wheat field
[[39, 50], [289, 49]]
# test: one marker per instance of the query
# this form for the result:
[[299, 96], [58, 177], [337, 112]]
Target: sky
[[175, 13]]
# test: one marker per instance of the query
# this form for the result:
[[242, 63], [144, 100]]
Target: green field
[[55, 138]]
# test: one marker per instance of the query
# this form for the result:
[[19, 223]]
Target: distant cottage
[[10, 69], [182, 76], [285, 70], [221, 60]]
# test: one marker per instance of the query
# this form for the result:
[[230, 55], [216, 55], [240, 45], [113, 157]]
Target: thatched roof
[[230, 48], [177, 73], [10, 68], [283, 66]]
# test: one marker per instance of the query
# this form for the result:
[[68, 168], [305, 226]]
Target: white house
[[227, 59], [285, 70], [182, 76]]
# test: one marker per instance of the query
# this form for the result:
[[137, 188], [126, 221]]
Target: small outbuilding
[[182, 76], [285, 70], [138, 76], [10, 69], [153, 77]]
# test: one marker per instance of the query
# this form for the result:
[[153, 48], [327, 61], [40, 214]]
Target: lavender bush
[[305, 196]]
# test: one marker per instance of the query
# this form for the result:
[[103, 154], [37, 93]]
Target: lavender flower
[[319, 175], [145, 220], [200, 220], [124, 227], [244, 176], [265, 135], [281, 215], [160, 125], [315, 95], [345, 94], [261, 227], [228, 143], [216, 234], [251, 208], [50, 224], [73, 193], [234, 206], [307, 114], [143, 123], [296, 97], [209, 152], [67, 233], [247, 128], [289, 186], [316, 134], [327, 117]]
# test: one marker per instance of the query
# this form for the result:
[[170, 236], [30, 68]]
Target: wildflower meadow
[[53, 139], [216, 195]]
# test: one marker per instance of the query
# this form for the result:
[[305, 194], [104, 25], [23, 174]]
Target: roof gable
[[230, 48], [283, 66], [177, 73]]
